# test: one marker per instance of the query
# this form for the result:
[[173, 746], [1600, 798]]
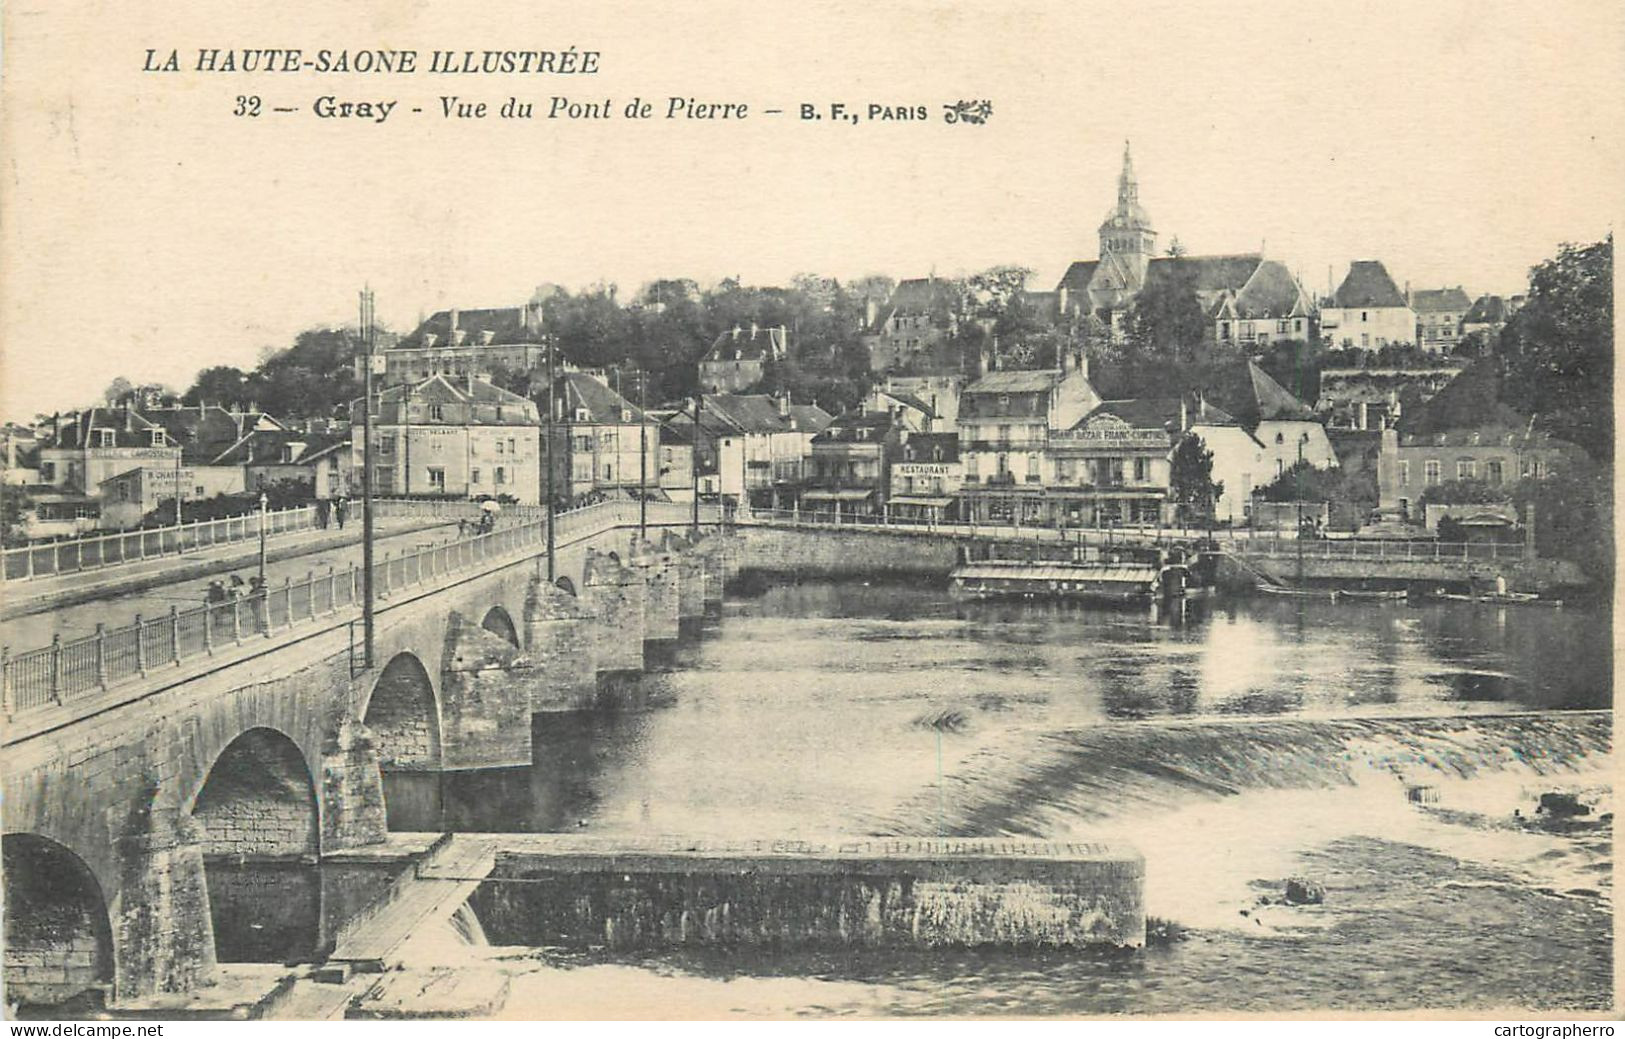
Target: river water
[[1235, 743]]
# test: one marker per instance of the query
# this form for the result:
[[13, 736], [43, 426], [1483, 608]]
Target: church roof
[[1368, 285]]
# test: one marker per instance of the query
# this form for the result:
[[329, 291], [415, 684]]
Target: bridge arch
[[260, 824], [58, 938], [403, 714], [498, 622], [258, 799]]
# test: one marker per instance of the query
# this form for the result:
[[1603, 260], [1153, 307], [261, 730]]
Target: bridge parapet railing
[[76, 555], [74, 668], [1389, 549]]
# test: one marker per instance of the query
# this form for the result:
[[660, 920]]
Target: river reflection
[[817, 707]]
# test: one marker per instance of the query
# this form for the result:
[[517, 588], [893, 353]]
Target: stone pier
[[662, 592], [618, 593], [559, 629]]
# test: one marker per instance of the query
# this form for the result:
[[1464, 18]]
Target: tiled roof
[[442, 389], [1272, 293], [266, 447], [924, 447], [1022, 381], [749, 412], [1486, 310], [604, 406], [1274, 402], [1077, 277], [913, 296], [1139, 412], [1207, 274], [912, 401], [810, 418], [517, 324], [130, 428], [869, 427], [1368, 285], [1426, 301], [744, 344]]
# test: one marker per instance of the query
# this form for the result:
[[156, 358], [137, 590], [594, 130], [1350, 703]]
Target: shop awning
[[845, 495], [930, 503]]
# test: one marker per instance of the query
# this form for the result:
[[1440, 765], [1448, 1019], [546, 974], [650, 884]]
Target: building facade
[[1005, 422], [602, 442], [738, 358], [1367, 311], [1112, 467], [446, 438], [1439, 317]]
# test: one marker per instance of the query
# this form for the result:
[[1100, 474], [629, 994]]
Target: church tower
[[1127, 234]]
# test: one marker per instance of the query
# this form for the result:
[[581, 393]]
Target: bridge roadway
[[140, 589]]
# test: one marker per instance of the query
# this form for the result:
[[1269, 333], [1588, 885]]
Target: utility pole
[[368, 341], [547, 451], [643, 456], [694, 470]]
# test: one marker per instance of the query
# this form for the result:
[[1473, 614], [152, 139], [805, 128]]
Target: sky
[[149, 232]]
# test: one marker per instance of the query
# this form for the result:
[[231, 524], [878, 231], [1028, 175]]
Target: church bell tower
[[1127, 233]]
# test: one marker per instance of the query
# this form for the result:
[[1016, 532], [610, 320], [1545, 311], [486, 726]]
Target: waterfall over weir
[[1032, 783]]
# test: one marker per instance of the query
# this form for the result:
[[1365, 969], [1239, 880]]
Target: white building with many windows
[[447, 437]]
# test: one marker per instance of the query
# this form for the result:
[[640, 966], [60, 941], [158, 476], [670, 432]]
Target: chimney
[[1060, 298], [454, 319], [1184, 414], [871, 311], [1067, 360], [1407, 292], [736, 333], [784, 406], [981, 363]]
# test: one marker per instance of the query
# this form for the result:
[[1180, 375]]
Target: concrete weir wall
[[820, 552], [888, 892]]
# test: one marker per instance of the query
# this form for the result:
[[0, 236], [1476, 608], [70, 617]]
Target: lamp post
[[694, 470], [265, 502], [643, 456]]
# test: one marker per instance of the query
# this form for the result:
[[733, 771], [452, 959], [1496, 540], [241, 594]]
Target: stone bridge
[[123, 810]]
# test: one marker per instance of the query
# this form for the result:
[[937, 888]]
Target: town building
[[1439, 316], [602, 442], [919, 314], [318, 464], [1005, 422], [134, 493], [851, 465], [1367, 311], [1465, 433], [738, 358], [1488, 315], [763, 447], [203, 431], [86, 448], [452, 438], [458, 343], [1112, 467], [925, 481], [938, 392]]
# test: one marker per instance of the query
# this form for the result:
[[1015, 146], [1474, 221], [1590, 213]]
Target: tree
[[1559, 348], [118, 391], [221, 384], [1165, 321], [1191, 480]]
